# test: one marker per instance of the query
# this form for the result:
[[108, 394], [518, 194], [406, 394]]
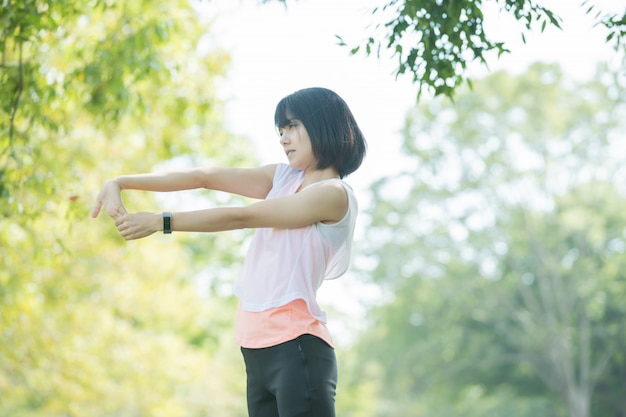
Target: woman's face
[[297, 145]]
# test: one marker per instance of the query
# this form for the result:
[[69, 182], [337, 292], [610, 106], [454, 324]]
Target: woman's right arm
[[248, 182]]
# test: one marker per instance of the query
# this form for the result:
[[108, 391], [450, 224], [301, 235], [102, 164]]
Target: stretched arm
[[326, 202], [249, 182]]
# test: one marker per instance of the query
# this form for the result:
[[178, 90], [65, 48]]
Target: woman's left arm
[[326, 203]]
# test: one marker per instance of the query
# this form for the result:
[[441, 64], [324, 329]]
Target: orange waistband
[[277, 325]]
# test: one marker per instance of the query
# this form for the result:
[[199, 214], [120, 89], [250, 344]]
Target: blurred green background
[[498, 251]]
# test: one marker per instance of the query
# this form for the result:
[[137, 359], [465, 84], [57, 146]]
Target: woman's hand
[[110, 198], [130, 226], [138, 225]]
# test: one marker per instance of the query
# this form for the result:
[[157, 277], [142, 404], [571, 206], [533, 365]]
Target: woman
[[305, 226]]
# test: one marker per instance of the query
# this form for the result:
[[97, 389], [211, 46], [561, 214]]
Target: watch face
[[167, 222]]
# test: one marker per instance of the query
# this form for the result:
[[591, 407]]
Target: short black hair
[[336, 139]]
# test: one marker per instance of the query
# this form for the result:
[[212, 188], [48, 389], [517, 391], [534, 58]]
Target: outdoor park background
[[488, 269]]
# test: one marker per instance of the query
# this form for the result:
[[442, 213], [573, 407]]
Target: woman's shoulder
[[285, 173], [336, 183]]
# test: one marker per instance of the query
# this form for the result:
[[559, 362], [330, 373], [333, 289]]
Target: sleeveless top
[[283, 265]]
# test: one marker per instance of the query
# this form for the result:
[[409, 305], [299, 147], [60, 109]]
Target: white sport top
[[283, 265]]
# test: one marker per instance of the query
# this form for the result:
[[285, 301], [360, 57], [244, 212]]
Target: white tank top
[[283, 265]]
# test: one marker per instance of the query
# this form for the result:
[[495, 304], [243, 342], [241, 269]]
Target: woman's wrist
[[118, 181]]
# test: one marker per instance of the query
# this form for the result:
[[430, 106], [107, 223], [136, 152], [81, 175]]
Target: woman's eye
[[288, 126]]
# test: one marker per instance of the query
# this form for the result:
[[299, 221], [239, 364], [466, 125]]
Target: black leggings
[[293, 379]]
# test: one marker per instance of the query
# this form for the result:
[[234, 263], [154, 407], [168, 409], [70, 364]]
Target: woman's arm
[[248, 182], [326, 202]]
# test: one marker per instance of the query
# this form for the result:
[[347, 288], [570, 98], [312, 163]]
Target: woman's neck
[[311, 177]]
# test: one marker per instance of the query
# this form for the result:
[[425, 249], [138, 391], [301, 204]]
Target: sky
[[277, 50]]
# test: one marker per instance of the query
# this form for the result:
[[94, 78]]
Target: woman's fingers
[[124, 227], [96, 209], [116, 210], [133, 226], [118, 222]]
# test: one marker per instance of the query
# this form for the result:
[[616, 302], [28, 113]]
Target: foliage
[[434, 40], [501, 225], [90, 325], [502, 247]]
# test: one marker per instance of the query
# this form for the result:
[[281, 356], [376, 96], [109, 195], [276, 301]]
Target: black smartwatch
[[167, 222]]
